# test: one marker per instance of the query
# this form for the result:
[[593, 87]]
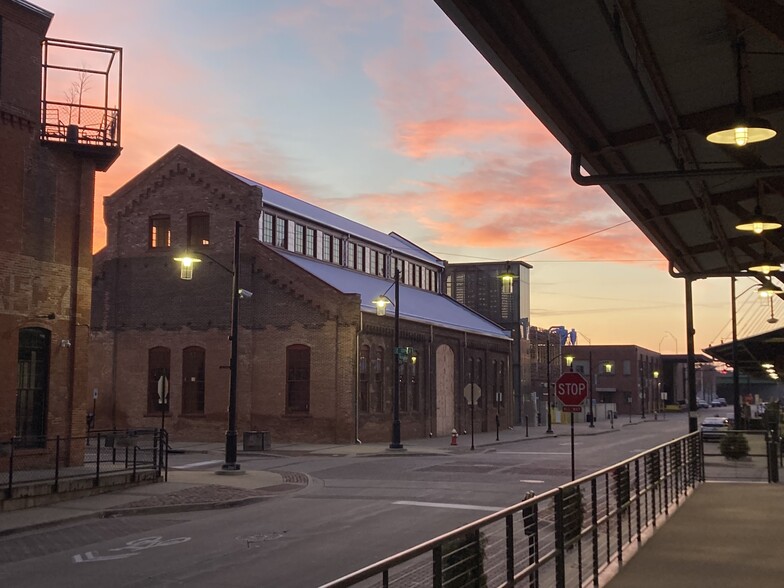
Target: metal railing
[[25, 461], [568, 536]]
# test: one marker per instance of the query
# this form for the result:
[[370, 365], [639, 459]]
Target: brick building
[[50, 148], [315, 360], [625, 379]]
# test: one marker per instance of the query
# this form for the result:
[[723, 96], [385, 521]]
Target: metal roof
[[416, 305], [630, 89], [752, 352]]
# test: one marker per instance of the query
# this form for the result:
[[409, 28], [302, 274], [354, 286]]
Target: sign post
[[571, 389]]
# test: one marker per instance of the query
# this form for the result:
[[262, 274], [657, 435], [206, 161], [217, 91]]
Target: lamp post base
[[230, 469]]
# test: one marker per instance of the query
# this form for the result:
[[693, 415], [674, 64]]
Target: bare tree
[[74, 95]]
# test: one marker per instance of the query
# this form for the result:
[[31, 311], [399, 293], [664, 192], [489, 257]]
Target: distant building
[[501, 292], [52, 141], [623, 379], [315, 360]]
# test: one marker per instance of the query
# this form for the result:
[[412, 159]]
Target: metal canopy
[[752, 352], [631, 88]]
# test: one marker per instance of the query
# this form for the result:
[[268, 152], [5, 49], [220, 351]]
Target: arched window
[[32, 387], [198, 229], [160, 231], [193, 380], [364, 378], [158, 362], [378, 380], [297, 378]]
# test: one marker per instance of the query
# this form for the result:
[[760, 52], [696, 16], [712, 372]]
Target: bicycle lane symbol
[[131, 548]]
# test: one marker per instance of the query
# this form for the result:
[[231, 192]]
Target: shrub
[[734, 445]]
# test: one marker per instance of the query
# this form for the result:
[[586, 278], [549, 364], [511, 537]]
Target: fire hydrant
[[454, 437]]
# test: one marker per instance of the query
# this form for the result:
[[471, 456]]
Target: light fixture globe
[[743, 130]]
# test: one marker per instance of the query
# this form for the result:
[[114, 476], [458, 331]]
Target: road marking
[[197, 464], [92, 556], [447, 505], [532, 481], [537, 452], [134, 548]]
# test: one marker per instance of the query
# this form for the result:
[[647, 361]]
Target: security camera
[[245, 293]]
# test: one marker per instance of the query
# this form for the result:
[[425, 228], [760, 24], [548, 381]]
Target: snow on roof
[[339, 223], [415, 304]]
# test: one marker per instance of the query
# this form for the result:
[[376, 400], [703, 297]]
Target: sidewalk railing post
[[57, 464]]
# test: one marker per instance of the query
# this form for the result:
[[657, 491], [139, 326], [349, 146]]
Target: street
[[354, 511]]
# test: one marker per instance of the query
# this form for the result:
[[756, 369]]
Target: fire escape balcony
[[81, 99]]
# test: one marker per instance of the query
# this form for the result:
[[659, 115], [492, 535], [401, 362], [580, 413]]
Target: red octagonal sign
[[571, 388]]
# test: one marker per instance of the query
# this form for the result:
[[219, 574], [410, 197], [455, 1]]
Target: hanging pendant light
[[758, 222], [765, 267], [745, 128], [742, 131]]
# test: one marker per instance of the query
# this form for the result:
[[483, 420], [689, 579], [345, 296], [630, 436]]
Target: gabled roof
[[325, 218], [415, 304]]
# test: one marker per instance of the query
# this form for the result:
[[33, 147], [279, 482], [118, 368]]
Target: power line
[[525, 256]]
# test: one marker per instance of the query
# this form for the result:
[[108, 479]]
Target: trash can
[[256, 441], [589, 417]]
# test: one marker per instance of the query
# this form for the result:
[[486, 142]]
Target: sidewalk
[[191, 489]]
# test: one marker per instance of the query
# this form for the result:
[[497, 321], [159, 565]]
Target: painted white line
[[447, 505], [197, 464], [532, 481], [536, 452]]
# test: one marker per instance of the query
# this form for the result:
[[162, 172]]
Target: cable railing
[[569, 536], [26, 461]]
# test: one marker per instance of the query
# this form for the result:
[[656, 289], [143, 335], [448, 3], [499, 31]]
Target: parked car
[[718, 403], [714, 427], [702, 403]]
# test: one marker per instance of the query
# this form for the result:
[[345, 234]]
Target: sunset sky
[[382, 111]]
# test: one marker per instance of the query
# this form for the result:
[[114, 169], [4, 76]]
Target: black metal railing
[[568, 536], [100, 454]]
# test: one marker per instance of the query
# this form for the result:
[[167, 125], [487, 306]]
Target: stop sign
[[571, 388]]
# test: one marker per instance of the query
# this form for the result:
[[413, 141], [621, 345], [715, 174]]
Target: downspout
[[690, 361], [356, 379]]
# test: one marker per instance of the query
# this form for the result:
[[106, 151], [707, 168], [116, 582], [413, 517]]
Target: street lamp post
[[396, 443], [186, 273], [399, 354]]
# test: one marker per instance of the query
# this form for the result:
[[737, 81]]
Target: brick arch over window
[[193, 380], [297, 378], [158, 365]]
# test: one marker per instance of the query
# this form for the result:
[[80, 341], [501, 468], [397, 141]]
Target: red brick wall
[[46, 197]]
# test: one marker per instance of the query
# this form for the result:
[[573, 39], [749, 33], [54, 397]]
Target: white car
[[714, 427]]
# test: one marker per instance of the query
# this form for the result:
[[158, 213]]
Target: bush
[[734, 445]]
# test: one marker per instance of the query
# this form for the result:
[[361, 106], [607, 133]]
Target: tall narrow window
[[160, 231], [364, 380], [351, 254], [299, 238], [378, 380], [268, 228], [281, 233], [310, 242], [198, 229], [382, 264], [193, 380], [32, 387], [413, 385], [336, 245], [158, 361], [371, 262], [404, 391], [326, 248], [360, 258], [298, 378]]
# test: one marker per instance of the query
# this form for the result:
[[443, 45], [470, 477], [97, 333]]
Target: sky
[[382, 111]]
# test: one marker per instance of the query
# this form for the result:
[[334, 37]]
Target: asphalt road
[[355, 511]]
